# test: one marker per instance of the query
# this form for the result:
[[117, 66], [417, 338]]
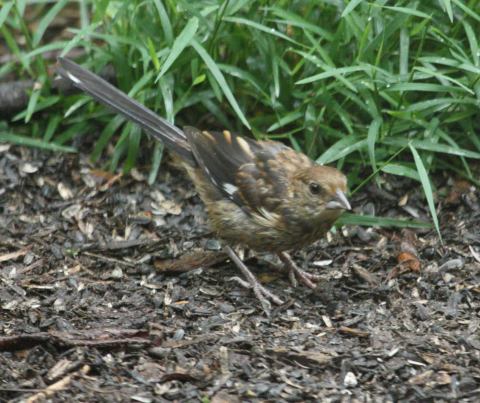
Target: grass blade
[[34, 97], [428, 145], [472, 40], [333, 72], [180, 43], [156, 160], [37, 143], [404, 50], [46, 21], [52, 126], [217, 74], [165, 20], [401, 170], [4, 11], [466, 10], [372, 139], [297, 21], [406, 10], [350, 7], [285, 120], [260, 27], [447, 5], [134, 136], [341, 148], [423, 87], [35, 106], [369, 221], [427, 187]]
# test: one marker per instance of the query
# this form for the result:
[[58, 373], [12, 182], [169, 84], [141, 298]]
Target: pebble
[[116, 273], [350, 380], [213, 244], [452, 264]]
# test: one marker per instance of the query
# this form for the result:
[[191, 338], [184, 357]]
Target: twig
[[100, 338], [57, 386], [190, 261], [14, 255], [109, 259]]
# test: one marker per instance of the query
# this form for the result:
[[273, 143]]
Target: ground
[[99, 301]]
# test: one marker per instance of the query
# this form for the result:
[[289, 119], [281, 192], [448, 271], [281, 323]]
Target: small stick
[[57, 386]]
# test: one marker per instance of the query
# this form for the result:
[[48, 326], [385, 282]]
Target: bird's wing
[[220, 155], [266, 184], [246, 171]]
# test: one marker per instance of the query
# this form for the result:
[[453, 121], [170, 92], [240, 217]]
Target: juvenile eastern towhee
[[260, 194]]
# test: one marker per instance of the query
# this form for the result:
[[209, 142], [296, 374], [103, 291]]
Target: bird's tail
[[107, 94]]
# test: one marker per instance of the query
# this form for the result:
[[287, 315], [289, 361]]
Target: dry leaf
[[65, 192], [28, 168], [407, 259]]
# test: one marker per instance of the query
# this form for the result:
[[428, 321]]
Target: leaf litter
[[114, 290]]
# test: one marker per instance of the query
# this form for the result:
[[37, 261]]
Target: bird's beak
[[340, 201]]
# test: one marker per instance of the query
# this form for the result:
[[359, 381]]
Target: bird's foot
[[262, 293], [295, 273]]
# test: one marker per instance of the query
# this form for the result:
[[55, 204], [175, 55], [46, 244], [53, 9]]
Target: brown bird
[[260, 194]]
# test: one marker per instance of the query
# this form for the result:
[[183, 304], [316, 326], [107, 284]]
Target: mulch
[[113, 290]]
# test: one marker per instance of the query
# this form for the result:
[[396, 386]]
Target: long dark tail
[[107, 94]]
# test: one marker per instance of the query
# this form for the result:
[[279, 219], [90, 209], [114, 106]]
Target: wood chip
[[475, 255], [14, 255], [353, 332]]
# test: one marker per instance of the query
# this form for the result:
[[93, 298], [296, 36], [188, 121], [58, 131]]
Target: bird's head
[[319, 192]]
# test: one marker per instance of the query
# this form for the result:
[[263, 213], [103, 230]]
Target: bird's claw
[[295, 273], [263, 294]]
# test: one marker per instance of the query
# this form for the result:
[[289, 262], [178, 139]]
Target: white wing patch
[[73, 78], [229, 188]]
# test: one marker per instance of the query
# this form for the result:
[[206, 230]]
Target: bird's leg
[[262, 293], [295, 272]]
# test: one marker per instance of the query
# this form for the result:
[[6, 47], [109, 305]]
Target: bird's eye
[[315, 188]]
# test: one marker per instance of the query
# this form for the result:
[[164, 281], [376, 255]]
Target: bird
[[259, 194]]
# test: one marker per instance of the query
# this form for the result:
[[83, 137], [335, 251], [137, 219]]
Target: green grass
[[369, 86]]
